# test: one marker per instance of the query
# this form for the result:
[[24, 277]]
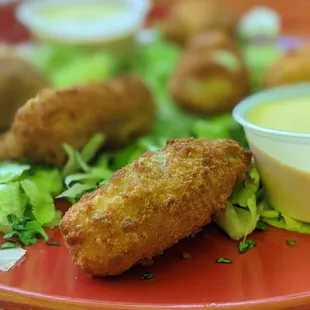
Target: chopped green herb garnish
[[147, 276], [260, 226], [279, 217], [223, 260], [53, 243], [8, 245], [25, 230], [291, 242], [251, 243], [246, 245]]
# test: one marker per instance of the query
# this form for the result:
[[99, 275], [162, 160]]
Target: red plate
[[271, 276]]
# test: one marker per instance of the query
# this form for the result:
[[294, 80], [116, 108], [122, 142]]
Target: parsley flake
[[246, 245], [223, 260], [291, 242], [53, 243], [147, 276], [25, 230]]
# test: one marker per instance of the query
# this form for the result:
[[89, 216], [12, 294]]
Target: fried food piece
[[153, 203], [191, 17], [19, 81], [292, 67], [121, 109], [211, 76]]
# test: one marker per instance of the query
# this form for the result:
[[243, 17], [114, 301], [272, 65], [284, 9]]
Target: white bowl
[[282, 157], [83, 21]]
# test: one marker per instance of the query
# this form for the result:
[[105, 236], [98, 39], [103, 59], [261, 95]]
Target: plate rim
[[24, 297]]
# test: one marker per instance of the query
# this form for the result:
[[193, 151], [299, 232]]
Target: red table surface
[[295, 16]]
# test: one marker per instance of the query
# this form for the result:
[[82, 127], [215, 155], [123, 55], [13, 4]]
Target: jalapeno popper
[[153, 203], [120, 109]]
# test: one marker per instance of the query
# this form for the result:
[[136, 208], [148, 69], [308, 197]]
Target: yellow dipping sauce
[[82, 11], [287, 115], [284, 166], [79, 17]]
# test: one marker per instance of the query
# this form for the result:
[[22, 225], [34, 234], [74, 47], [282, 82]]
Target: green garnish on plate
[[244, 246], [291, 242], [223, 260], [147, 276], [53, 243], [25, 230]]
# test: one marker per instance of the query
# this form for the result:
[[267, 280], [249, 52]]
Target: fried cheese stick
[[121, 109], [152, 203]]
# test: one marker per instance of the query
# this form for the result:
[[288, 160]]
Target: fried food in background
[[292, 67], [191, 17], [153, 203], [19, 81], [121, 109], [211, 76]]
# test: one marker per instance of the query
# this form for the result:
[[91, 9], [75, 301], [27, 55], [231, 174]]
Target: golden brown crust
[[291, 67], [211, 76], [121, 109], [191, 17], [19, 81], [153, 203]]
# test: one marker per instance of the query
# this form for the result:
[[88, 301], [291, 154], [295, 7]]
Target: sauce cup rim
[[282, 92]]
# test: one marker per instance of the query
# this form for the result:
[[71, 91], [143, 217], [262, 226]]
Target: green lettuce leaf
[[279, 220], [12, 201], [79, 160], [243, 212], [10, 171], [71, 65], [76, 191], [48, 180], [42, 203]]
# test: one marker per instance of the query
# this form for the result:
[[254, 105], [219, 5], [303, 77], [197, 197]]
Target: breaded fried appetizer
[[121, 109], [191, 17], [19, 81], [211, 76], [153, 203], [292, 67]]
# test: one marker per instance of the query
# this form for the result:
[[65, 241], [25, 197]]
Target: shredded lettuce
[[75, 192], [27, 186], [68, 65], [79, 176], [48, 180], [10, 171], [242, 213], [279, 220], [12, 201], [79, 160], [42, 203], [248, 206]]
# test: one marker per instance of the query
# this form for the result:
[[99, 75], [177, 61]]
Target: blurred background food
[[211, 76], [189, 18], [122, 110], [199, 58], [293, 66], [19, 81]]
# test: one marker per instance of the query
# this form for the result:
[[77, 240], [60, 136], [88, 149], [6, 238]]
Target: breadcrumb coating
[[152, 203]]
